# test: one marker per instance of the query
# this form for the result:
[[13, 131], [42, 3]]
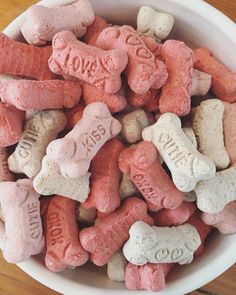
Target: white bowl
[[198, 24]]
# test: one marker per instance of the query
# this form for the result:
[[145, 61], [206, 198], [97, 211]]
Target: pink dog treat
[[175, 96], [73, 116], [171, 217], [144, 71], [74, 152], [5, 174], [223, 79], [32, 61], [42, 23], [153, 46], [40, 95], [149, 101], [63, 246], [88, 63], [109, 234], [229, 125], [23, 226], [142, 165], [201, 83], [116, 102], [151, 276], [11, 125], [94, 30], [104, 185], [224, 221]]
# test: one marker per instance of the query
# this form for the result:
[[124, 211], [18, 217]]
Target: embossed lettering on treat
[[161, 244], [54, 226], [34, 217]]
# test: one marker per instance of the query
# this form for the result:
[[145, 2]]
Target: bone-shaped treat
[[42, 23], [38, 132], [23, 227], [201, 83], [11, 125], [110, 233], [224, 221], [223, 79], [5, 174], [115, 102], [151, 276], [104, 183], [116, 267], [186, 164], [148, 101], [175, 96], [32, 61], [229, 126], [63, 246], [153, 46], [40, 95], [215, 193], [208, 128], [74, 152], [144, 71], [127, 187], [161, 244], [94, 30], [87, 216], [50, 181], [152, 23], [142, 165], [88, 63]]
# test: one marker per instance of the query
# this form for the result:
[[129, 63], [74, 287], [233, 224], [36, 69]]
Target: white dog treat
[[161, 244], [214, 194], [191, 136], [201, 83], [127, 187], [39, 131], [5, 174], [50, 181], [190, 197], [42, 23], [208, 128], [116, 267], [153, 23], [2, 232], [86, 215], [186, 164], [133, 124]]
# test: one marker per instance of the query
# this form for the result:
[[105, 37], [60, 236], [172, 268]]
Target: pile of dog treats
[[102, 157]]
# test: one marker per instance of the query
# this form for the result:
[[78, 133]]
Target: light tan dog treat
[[154, 24], [191, 136], [116, 267], [214, 194], [190, 197], [201, 83], [186, 164], [85, 215], [39, 131], [127, 187], [5, 174], [154, 244], [50, 181], [208, 128]]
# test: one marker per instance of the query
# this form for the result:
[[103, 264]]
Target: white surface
[[217, 32]]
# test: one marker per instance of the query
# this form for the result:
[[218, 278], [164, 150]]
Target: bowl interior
[[198, 24]]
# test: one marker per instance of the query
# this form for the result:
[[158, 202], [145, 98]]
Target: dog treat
[[5, 174], [208, 128], [191, 136], [154, 24], [23, 228], [148, 101], [215, 193], [50, 181], [144, 169], [104, 183], [224, 221], [40, 95], [151, 276], [116, 267], [84, 215], [42, 23], [109, 234], [201, 83], [74, 152], [94, 30], [230, 130], [190, 197], [144, 71], [175, 95], [90, 64], [62, 235], [170, 217], [223, 79], [11, 125], [73, 116], [161, 244], [115, 102], [127, 187], [186, 164], [38, 132], [32, 62]]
